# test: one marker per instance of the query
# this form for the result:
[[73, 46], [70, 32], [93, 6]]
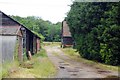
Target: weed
[[8, 67], [38, 67], [0, 71]]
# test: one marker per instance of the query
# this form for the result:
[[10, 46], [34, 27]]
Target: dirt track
[[68, 68]]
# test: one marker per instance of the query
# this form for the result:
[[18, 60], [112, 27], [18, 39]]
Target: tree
[[95, 28], [50, 31]]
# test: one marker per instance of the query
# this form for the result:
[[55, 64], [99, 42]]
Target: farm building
[[66, 38], [17, 40]]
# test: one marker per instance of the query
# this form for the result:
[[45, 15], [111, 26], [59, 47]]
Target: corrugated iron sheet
[[8, 47], [8, 30]]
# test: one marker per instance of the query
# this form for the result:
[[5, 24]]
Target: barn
[[66, 38], [16, 39]]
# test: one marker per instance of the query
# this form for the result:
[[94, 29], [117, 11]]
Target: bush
[[95, 28]]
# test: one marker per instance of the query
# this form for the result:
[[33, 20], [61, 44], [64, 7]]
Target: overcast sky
[[52, 10]]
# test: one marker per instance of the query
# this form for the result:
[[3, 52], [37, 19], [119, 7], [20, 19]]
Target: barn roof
[[65, 30], [8, 30], [12, 30]]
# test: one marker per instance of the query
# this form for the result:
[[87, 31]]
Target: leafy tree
[[95, 28], [50, 31]]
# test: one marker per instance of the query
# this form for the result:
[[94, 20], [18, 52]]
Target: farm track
[[68, 68]]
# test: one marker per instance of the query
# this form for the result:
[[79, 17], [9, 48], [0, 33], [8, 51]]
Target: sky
[[52, 10]]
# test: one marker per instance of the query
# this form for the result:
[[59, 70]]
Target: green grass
[[42, 66], [38, 67], [75, 55], [0, 71], [51, 43], [8, 67]]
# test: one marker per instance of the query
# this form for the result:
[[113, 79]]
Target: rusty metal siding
[[34, 44], [8, 47], [8, 30], [20, 49], [38, 44]]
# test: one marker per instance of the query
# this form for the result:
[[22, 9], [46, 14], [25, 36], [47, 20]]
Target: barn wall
[[34, 45], [20, 48], [38, 44], [29, 42], [8, 21], [8, 47], [67, 40]]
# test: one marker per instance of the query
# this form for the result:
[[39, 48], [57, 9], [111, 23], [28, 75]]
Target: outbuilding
[[66, 38], [17, 40]]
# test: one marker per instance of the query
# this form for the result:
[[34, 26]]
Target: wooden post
[[29, 55]]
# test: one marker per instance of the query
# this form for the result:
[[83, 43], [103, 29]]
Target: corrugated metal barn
[[66, 38], [16, 39]]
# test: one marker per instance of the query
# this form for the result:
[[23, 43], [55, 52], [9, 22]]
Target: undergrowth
[[8, 67], [38, 67]]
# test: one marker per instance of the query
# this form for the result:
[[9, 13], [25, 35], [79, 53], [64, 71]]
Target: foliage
[[9, 67], [38, 67], [0, 71], [42, 65], [95, 28], [40, 35], [50, 31]]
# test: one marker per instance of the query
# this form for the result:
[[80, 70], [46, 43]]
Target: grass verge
[[38, 67], [8, 67], [75, 56], [51, 43], [0, 71]]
